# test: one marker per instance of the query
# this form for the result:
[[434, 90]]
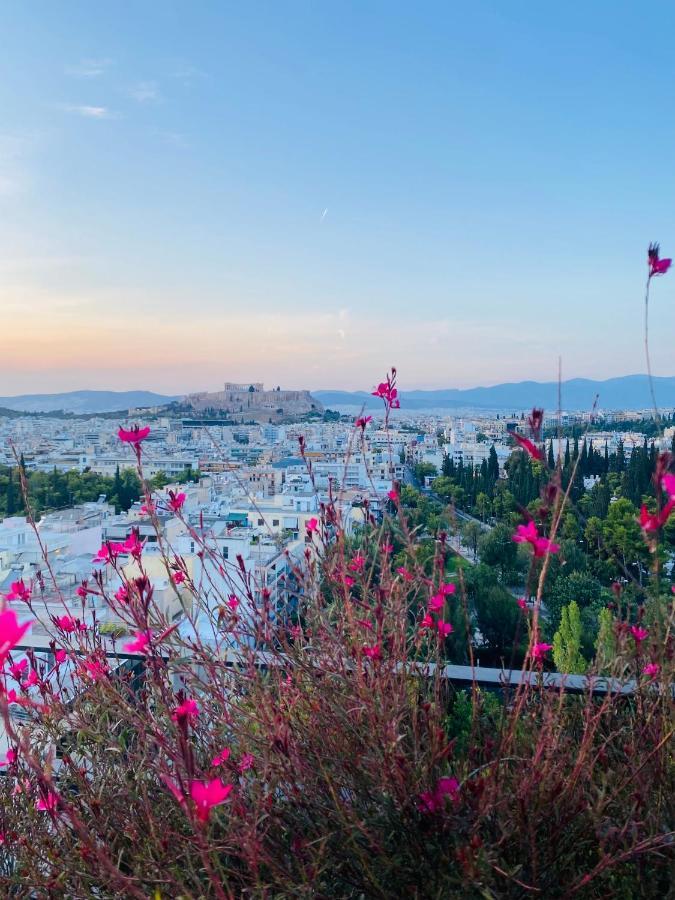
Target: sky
[[308, 193]]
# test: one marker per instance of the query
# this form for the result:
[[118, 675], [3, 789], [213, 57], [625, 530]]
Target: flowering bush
[[319, 747]]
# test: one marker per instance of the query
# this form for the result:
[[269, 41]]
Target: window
[[275, 522], [226, 552], [261, 521]]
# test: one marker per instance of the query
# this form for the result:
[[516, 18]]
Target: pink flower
[[522, 602], [650, 522], [540, 650], [187, 710], [246, 762], [176, 501], [357, 564], [133, 544], [348, 581], [207, 794], [436, 602], [221, 758], [527, 445], [656, 266], [109, 552], [18, 591], [10, 633], [148, 508], [393, 495], [652, 669], [669, 484], [387, 391], [17, 669], [178, 577], [362, 421], [10, 757], [31, 681], [372, 651], [447, 589], [387, 549], [60, 656], [433, 801], [82, 591], [427, 621], [312, 525], [134, 435], [639, 633], [529, 534], [444, 629], [404, 573], [232, 601], [95, 668], [48, 803], [122, 594], [139, 645], [67, 624]]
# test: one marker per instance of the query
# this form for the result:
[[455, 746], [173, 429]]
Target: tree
[[567, 642], [471, 533], [605, 644], [483, 506], [498, 550], [421, 470]]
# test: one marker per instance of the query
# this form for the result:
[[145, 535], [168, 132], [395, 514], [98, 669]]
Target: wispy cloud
[[89, 68], [145, 92], [88, 112]]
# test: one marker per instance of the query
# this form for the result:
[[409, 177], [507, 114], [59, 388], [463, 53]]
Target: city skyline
[[312, 195]]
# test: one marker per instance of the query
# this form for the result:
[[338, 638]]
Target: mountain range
[[578, 394], [84, 401]]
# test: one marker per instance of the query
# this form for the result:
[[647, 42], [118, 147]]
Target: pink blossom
[[10, 757], [122, 594], [60, 656], [10, 632], [527, 445], [246, 762], [148, 508], [529, 534], [312, 525], [639, 633], [108, 553], [178, 577], [393, 495], [134, 435], [221, 758], [447, 589], [232, 601], [522, 602], [436, 602], [207, 794], [348, 581], [652, 669], [187, 710], [656, 265], [433, 801], [176, 501], [357, 564], [427, 621], [387, 549], [539, 651], [48, 803], [372, 651], [444, 629], [650, 522], [140, 644], [17, 669], [31, 681], [404, 573], [67, 624], [18, 591], [669, 484], [133, 544], [95, 668], [362, 421], [82, 590], [388, 392]]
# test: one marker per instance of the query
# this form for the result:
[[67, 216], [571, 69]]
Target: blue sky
[[308, 193]]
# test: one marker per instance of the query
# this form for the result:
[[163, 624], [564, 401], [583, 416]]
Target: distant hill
[[626, 392], [84, 401]]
